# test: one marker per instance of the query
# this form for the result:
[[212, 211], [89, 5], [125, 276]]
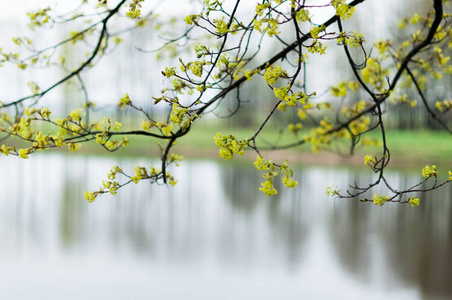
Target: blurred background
[[215, 235]]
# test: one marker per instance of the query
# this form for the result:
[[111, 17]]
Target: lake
[[214, 236]]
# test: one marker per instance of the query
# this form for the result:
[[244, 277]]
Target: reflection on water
[[214, 236]]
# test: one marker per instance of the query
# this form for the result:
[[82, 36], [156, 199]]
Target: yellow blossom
[[23, 153], [166, 129], [76, 115], [261, 164], [414, 201], [289, 182], [74, 146], [191, 19], [380, 199], [369, 159], [268, 188], [90, 197], [124, 101], [332, 190], [272, 74], [125, 142], [429, 171], [5, 150], [133, 14], [117, 126], [316, 30]]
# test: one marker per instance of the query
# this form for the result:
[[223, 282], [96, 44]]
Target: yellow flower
[[229, 145], [178, 114], [316, 30], [302, 15], [414, 201], [222, 26], [125, 142], [145, 125], [380, 199], [90, 196], [261, 7], [44, 112], [169, 72], [124, 101], [74, 146], [166, 129], [23, 153], [5, 150], [289, 182], [133, 14], [141, 173], [76, 115], [268, 188], [59, 141], [30, 111], [369, 159], [339, 91], [248, 74], [272, 74], [332, 190], [176, 158], [117, 126], [191, 19], [99, 139], [196, 68], [429, 171], [170, 179], [344, 11], [439, 106]]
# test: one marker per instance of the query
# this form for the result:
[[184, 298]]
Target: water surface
[[214, 236]]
